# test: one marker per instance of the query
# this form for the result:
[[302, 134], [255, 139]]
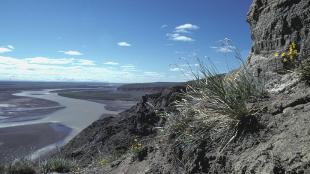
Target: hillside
[[177, 131], [276, 142]]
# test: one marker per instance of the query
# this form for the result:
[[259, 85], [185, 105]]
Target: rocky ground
[[280, 145], [278, 141]]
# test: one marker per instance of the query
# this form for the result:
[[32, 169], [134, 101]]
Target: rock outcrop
[[113, 135], [276, 23], [280, 144]]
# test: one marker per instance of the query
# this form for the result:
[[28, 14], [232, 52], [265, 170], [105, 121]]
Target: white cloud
[[71, 69], [225, 46], [150, 73], [175, 69], [123, 44], [11, 47], [178, 37], [182, 32], [164, 26], [128, 67], [61, 61], [6, 49], [189, 65], [45, 60], [72, 53], [111, 63], [85, 62], [185, 28]]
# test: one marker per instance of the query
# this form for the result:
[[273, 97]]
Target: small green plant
[[57, 164], [305, 71], [21, 167], [226, 95], [103, 162], [2, 168], [214, 108], [139, 152], [289, 57], [136, 146]]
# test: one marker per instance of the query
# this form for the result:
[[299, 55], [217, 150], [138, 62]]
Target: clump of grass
[[57, 164], [305, 71], [2, 168], [102, 162], [139, 152], [21, 167], [213, 110], [225, 94]]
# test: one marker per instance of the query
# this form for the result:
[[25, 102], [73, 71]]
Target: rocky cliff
[[132, 142], [276, 23]]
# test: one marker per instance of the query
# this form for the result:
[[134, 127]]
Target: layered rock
[[276, 23]]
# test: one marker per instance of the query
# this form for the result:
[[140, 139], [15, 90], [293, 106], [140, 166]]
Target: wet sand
[[74, 116], [21, 140], [42, 121]]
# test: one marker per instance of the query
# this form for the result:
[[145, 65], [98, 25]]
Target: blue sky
[[117, 40]]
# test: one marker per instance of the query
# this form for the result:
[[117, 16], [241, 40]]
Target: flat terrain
[[22, 140], [27, 120]]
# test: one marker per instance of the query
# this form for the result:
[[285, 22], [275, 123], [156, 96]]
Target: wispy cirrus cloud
[[128, 67], [72, 52], [5, 49], [179, 37], [59, 61], [164, 26], [111, 63], [84, 62], [175, 69], [225, 46], [45, 60], [182, 33], [11, 47], [71, 69], [123, 44], [186, 28]]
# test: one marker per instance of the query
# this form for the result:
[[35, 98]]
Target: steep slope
[[274, 24], [133, 142], [113, 135]]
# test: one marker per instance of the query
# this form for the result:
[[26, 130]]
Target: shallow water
[[76, 114]]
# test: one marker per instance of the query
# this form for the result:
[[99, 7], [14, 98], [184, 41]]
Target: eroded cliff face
[[280, 145], [276, 23]]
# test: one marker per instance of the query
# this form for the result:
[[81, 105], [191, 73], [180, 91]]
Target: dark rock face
[[114, 135], [276, 23]]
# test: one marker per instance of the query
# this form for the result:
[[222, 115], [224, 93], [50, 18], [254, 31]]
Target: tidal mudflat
[[40, 120]]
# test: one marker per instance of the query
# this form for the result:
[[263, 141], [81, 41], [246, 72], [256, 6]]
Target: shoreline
[[21, 141], [53, 127]]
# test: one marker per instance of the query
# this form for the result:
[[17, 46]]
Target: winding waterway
[[77, 114]]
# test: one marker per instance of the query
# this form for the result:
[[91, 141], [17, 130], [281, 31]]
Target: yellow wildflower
[[293, 45], [295, 53], [276, 54], [283, 54]]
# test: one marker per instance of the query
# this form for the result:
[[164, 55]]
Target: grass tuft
[[21, 167], [56, 164], [214, 109], [305, 71]]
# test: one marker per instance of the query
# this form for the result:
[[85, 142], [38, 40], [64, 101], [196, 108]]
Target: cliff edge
[[140, 140]]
